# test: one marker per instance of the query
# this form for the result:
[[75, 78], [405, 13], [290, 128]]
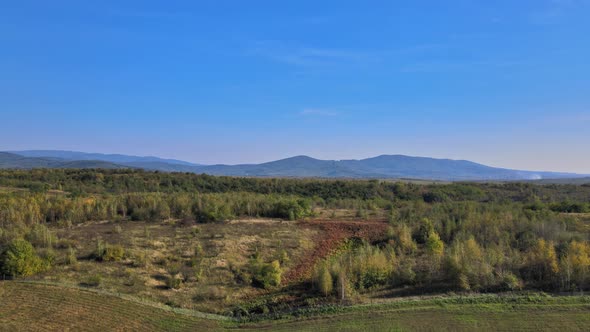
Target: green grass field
[[457, 317], [31, 306]]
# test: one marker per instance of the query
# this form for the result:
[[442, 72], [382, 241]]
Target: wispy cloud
[[308, 56], [317, 112]]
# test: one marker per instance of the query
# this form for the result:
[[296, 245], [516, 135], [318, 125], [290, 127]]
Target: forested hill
[[381, 167]]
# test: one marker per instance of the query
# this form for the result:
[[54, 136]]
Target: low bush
[[108, 252], [92, 281], [20, 260], [174, 282], [114, 253], [266, 275]]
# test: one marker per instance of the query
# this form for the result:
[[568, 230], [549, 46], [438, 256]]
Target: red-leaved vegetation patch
[[332, 235]]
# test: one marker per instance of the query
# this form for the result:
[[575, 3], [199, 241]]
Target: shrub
[[47, 256], [92, 281], [434, 197], [114, 253], [404, 272], [361, 213], [139, 259], [511, 282], [403, 239], [198, 251], [325, 281], [71, 258], [468, 265], [131, 279], [292, 209], [173, 267], [41, 236], [20, 260], [198, 273], [362, 268], [117, 229], [569, 207], [65, 244], [107, 252], [174, 282], [434, 246], [100, 250], [541, 262], [370, 267], [463, 282], [267, 275], [283, 257], [425, 229]]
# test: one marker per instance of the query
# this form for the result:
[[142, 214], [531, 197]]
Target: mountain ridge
[[302, 166], [110, 157], [12, 160]]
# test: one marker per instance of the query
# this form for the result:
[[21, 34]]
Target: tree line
[[93, 181]]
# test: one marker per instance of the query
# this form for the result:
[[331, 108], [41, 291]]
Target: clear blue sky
[[505, 83]]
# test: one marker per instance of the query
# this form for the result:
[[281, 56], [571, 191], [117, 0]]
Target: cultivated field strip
[[26, 306], [36, 307]]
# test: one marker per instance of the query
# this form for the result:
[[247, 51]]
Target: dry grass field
[[208, 257]]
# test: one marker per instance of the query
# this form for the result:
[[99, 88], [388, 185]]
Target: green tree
[[424, 231], [325, 281], [468, 265], [575, 265], [541, 262], [20, 260], [434, 245], [267, 275], [435, 250]]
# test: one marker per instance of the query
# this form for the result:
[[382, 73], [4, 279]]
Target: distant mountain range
[[383, 167], [113, 158]]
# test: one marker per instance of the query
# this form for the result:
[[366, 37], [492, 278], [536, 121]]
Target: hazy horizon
[[502, 84]]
